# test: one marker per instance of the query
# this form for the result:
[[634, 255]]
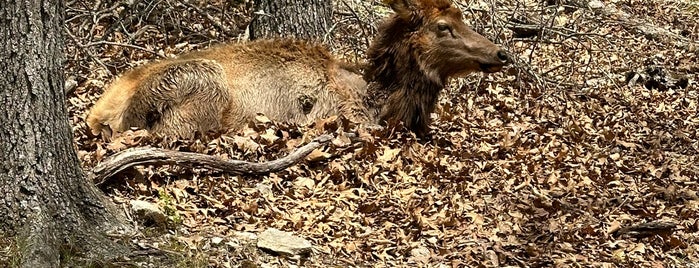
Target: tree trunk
[[49, 209], [304, 19]]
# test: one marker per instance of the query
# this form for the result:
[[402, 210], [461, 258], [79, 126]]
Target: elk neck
[[399, 87]]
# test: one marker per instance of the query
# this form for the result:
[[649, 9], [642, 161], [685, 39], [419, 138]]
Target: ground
[[551, 162]]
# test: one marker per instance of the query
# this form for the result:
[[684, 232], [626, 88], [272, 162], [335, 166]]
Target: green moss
[[169, 208]]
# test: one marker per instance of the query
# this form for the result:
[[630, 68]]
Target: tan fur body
[[225, 86]]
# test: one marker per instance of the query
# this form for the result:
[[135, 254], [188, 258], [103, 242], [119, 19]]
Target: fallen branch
[[157, 156], [647, 229], [102, 43], [634, 24], [211, 19]]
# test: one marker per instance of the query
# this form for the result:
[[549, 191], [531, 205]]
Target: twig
[[359, 20], [636, 25], [113, 27], [99, 43], [213, 20], [86, 50]]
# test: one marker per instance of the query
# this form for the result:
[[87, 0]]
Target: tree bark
[[48, 206], [303, 19]]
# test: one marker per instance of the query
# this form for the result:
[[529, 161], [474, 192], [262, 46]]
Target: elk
[[416, 51]]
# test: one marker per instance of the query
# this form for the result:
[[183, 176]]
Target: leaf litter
[[541, 165]]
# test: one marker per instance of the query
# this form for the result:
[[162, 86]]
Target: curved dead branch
[[635, 24], [157, 156]]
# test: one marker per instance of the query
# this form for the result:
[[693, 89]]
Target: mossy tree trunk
[[49, 210], [304, 19]]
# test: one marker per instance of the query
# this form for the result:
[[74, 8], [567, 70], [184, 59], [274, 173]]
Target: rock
[[148, 214], [216, 240], [420, 255], [595, 4], [283, 242]]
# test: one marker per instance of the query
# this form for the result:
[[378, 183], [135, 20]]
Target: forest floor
[[567, 158]]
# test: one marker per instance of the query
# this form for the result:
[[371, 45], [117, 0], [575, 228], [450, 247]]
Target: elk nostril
[[502, 56]]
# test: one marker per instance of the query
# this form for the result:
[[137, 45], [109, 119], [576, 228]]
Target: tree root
[[157, 156]]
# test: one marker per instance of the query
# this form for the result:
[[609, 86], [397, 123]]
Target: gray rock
[[595, 4], [420, 255], [283, 242], [216, 240], [148, 214]]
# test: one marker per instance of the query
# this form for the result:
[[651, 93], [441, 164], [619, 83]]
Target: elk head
[[442, 44]]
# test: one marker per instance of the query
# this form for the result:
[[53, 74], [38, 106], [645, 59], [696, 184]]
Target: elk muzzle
[[499, 59]]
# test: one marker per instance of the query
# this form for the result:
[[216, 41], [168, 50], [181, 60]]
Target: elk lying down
[[416, 51]]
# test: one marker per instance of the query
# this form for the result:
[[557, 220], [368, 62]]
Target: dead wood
[[647, 229], [657, 77], [524, 27], [158, 156], [634, 24]]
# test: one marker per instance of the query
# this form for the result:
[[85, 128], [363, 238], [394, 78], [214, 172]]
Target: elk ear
[[404, 8]]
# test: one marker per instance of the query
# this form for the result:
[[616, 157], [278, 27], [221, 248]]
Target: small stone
[[595, 4], [432, 240], [283, 242], [420, 255], [147, 213], [216, 240]]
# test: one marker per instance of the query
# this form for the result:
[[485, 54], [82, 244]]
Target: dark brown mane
[[399, 89], [414, 54]]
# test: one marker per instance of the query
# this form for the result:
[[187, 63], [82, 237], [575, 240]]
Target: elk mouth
[[491, 68], [495, 66]]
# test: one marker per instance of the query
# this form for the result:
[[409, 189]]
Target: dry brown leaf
[[389, 155], [317, 155]]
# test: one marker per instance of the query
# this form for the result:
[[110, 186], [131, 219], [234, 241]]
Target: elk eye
[[443, 27]]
